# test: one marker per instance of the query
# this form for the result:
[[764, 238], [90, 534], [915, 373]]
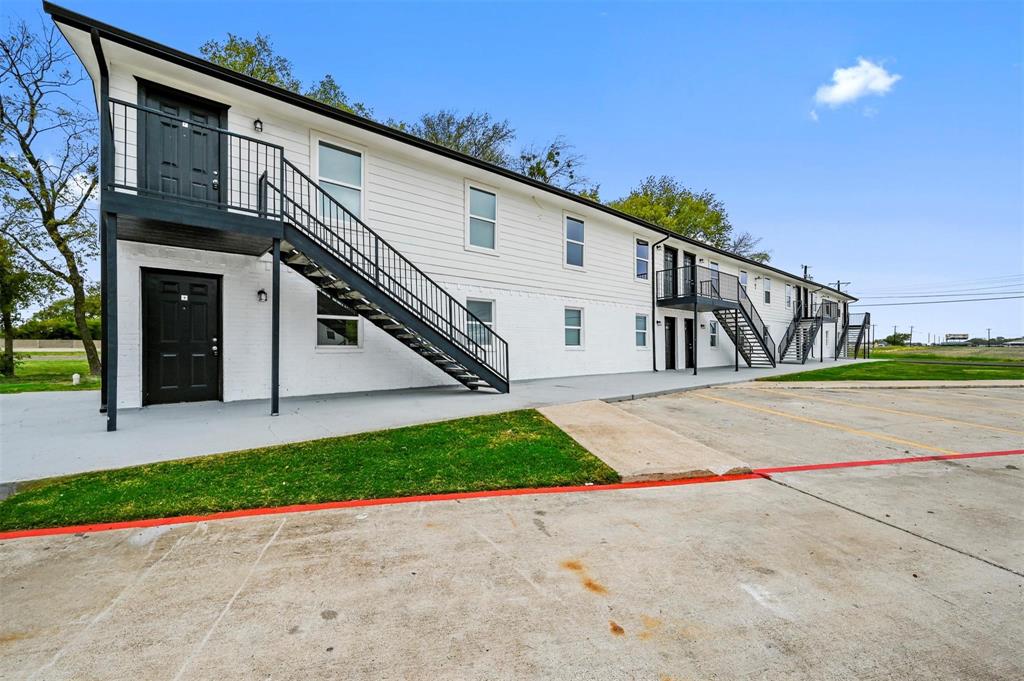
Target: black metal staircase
[[349, 262], [852, 341], [797, 342]]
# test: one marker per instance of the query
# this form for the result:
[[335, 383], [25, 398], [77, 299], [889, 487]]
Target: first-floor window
[[713, 335], [789, 296], [643, 258], [573, 327], [767, 291], [641, 330], [479, 328], [336, 323]]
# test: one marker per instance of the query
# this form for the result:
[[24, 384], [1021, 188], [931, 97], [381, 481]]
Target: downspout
[[105, 176], [654, 305]]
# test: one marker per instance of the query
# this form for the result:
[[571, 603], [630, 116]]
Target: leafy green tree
[[897, 339], [474, 134], [48, 171], [19, 287], [258, 59], [668, 204]]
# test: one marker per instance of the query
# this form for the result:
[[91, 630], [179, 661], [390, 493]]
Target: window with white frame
[[573, 327], [640, 327], [340, 174], [743, 279], [789, 296], [713, 333], [479, 328], [483, 218], [767, 291], [337, 324], [573, 241], [643, 258]]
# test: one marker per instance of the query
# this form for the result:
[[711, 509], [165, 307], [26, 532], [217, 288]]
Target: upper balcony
[[707, 288], [176, 178]]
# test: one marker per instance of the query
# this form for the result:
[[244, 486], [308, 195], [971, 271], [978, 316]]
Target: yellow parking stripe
[[915, 395], [826, 424], [901, 412]]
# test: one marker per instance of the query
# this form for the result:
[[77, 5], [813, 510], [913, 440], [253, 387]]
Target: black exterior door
[[670, 343], [690, 263], [181, 346], [671, 271], [180, 158], [688, 334]]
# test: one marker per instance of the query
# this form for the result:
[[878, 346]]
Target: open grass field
[[49, 371], [903, 371], [514, 449], [952, 353]]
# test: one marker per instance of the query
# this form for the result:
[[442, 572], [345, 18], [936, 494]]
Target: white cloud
[[850, 84], [813, 115]]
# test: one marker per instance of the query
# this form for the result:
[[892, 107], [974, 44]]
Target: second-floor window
[[483, 218], [340, 174], [767, 291], [789, 296], [743, 279], [573, 242], [643, 258]]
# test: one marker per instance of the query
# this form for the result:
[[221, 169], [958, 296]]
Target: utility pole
[[989, 337], [911, 340]]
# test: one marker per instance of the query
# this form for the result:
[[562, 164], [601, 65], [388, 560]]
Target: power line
[[943, 295], [936, 302], [949, 283]]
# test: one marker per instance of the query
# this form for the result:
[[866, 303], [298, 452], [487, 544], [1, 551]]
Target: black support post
[[696, 334], [736, 341], [275, 333], [103, 315], [110, 333]]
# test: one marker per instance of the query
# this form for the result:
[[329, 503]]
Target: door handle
[[216, 182], [214, 350]]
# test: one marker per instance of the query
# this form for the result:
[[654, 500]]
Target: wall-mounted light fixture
[[261, 295], [658, 322], [700, 260], [257, 125]]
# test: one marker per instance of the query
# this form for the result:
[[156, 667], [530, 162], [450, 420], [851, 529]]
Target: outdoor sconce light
[[700, 260], [261, 295], [257, 125], [658, 323]]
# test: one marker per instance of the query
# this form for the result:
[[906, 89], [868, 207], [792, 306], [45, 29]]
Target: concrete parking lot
[[911, 570]]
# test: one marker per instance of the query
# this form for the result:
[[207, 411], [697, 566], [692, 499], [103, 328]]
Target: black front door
[[181, 346], [688, 337], [671, 273], [670, 343], [690, 263], [180, 158]]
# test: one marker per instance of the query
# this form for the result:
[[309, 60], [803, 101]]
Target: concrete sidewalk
[[49, 434]]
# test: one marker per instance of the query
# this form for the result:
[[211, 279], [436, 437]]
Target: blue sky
[[919, 189]]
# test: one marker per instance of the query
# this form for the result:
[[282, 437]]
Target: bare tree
[[556, 163], [47, 164], [746, 244]]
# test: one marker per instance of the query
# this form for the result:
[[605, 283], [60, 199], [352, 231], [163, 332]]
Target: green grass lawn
[[951, 353], [903, 371], [514, 449], [41, 373]]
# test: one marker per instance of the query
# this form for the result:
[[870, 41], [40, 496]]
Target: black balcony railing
[[828, 309], [691, 280], [225, 167]]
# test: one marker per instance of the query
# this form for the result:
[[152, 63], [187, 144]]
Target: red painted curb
[[757, 474], [357, 503], [883, 462]]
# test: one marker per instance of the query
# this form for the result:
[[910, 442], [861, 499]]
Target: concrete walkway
[[49, 434]]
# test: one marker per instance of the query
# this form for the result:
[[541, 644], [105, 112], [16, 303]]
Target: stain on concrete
[[588, 582], [573, 565], [615, 628], [652, 625], [594, 586], [294, 630], [541, 526], [12, 636], [329, 614]]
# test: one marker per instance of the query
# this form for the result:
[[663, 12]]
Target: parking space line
[[827, 424], [915, 395], [901, 412], [882, 462], [1019, 403]]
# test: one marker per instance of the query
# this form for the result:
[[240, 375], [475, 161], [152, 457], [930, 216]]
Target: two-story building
[[257, 243]]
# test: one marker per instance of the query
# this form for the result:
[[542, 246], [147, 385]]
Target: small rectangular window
[[337, 324], [789, 296], [641, 330], [713, 333], [479, 331], [767, 291], [573, 242], [483, 218], [743, 279], [573, 327], [340, 174], [643, 258]]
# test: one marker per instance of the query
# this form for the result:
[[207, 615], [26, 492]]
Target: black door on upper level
[[181, 348], [690, 263], [688, 341], [670, 343], [180, 158], [671, 274]]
